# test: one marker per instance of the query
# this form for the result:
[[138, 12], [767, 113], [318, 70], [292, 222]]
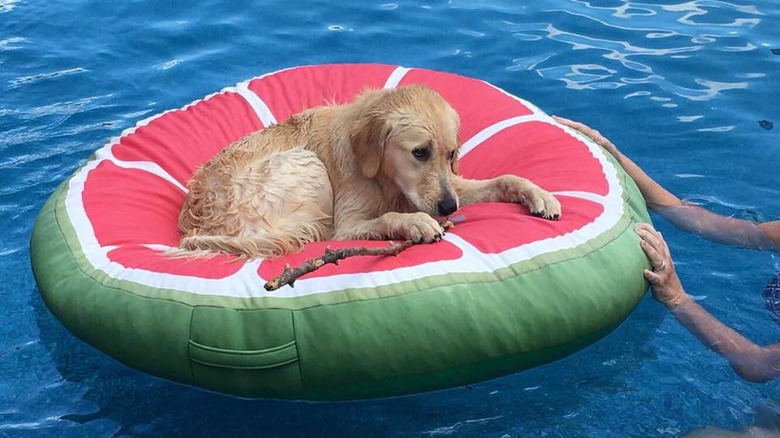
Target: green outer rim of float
[[321, 348]]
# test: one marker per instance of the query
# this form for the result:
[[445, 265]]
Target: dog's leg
[[508, 188], [418, 227]]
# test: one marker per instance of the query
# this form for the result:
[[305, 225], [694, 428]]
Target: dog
[[381, 167]]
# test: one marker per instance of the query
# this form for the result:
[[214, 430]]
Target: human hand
[[663, 278], [590, 133]]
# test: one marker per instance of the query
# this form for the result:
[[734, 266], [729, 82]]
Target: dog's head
[[409, 137]]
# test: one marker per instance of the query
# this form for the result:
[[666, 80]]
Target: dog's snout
[[447, 205]]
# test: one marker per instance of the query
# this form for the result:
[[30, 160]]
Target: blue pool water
[[689, 89]]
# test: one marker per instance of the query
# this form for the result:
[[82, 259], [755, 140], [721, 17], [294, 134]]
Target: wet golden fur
[[380, 167]]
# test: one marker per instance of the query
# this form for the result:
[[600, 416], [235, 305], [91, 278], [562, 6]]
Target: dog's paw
[[419, 228], [542, 204]]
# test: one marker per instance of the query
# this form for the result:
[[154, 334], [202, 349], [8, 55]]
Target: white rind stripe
[[495, 128], [152, 168], [258, 105], [395, 77], [106, 154], [593, 197]]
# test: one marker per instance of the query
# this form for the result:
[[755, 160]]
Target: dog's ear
[[368, 138]]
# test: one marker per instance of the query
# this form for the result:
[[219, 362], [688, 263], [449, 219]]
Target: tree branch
[[289, 275]]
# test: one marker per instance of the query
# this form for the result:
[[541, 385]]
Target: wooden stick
[[289, 275]]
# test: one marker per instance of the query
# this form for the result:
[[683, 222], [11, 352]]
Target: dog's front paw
[[542, 204], [417, 227]]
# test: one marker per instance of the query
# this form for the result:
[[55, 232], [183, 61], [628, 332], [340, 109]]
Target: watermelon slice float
[[504, 291]]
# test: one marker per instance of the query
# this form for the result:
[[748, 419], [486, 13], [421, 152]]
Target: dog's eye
[[421, 154]]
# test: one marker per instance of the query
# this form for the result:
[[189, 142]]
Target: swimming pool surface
[[689, 89]]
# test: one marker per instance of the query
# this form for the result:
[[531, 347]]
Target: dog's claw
[[544, 215], [436, 237]]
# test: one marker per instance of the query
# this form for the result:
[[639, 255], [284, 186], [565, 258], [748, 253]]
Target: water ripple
[[63, 108], [7, 5], [710, 88], [9, 43], [48, 122], [703, 9], [43, 76], [677, 34], [582, 76]]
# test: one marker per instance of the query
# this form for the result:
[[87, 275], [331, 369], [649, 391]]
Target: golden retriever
[[380, 167]]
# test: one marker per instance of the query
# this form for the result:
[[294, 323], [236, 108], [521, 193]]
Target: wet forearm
[[752, 362], [698, 220], [711, 332], [721, 229]]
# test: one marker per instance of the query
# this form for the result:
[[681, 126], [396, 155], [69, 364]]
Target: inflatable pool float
[[503, 292]]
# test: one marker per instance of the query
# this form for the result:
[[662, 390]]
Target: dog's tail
[[201, 246]]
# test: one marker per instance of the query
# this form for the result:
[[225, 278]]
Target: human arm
[[772, 231], [752, 362], [683, 215]]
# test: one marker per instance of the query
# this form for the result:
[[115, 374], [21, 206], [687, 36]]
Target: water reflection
[[7, 5], [582, 76], [685, 35]]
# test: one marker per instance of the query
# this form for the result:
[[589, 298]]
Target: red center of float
[[132, 210]]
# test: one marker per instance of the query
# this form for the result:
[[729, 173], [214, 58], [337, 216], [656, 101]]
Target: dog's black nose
[[447, 206]]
